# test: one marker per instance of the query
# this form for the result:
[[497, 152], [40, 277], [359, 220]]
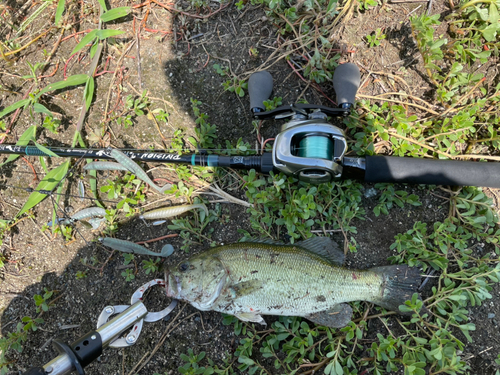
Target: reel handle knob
[[346, 80], [260, 87]]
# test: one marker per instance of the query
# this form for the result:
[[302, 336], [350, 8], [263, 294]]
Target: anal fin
[[337, 317]]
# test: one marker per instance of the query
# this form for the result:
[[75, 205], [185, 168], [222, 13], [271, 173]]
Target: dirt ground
[[175, 71]]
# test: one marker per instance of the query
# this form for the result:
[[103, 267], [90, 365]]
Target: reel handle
[[346, 80], [431, 171], [260, 87]]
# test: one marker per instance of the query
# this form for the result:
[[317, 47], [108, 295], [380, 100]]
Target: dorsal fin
[[324, 247], [268, 241]]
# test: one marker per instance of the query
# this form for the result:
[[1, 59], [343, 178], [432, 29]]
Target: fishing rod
[[309, 147]]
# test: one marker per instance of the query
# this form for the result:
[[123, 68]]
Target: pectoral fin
[[337, 317], [245, 287], [250, 317]]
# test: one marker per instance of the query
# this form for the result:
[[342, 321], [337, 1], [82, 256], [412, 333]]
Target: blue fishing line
[[316, 147]]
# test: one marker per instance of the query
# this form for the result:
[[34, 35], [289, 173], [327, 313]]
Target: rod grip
[[432, 171]]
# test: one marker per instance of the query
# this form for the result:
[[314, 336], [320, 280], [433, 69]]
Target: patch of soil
[[174, 68]]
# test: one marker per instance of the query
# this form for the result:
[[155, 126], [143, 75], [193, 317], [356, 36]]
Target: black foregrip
[[35, 371], [431, 171]]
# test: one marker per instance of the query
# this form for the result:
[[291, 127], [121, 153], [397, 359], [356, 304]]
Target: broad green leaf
[[24, 139], [494, 14], [332, 6], [115, 13], [490, 32], [103, 34], [73, 80], [59, 11], [42, 109], [13, 107], [483, 13], [93, 49], [45, 150], [338, 368], [246, 360], [89, 92], [85, 40], [49, 182], [44, 165], [102, 3]]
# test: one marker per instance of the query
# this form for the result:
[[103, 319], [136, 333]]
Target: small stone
[[371, 192], [491, 316]]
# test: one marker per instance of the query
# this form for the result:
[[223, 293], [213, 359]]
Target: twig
[[463, 97], [138, 39], [399, 102], [429, 7], [474, 156], [43, 234], [168, 330], [227, 197], [52, 52], [316, 87], [395, 134], [7, 131], [27, 45], [138, 363], [158, 239]]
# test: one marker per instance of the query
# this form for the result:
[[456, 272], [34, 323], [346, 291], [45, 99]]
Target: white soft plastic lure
[[131, 247], [132, 167], [81, 215], [104, 166], [167, 212]]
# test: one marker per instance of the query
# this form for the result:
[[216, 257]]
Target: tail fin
[[400, 282]]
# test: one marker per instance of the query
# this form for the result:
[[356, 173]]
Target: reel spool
[[312, 150]]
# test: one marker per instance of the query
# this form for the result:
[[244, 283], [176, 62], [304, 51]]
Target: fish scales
[[281, 267], [250, 279]]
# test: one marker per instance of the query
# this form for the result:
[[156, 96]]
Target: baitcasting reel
[[308, 147]]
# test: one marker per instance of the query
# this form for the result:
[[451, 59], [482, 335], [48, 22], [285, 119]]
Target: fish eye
[[183, 267]]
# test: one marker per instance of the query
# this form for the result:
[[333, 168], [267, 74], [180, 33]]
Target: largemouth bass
[[249, 280]]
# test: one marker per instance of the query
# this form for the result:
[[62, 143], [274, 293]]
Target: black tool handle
[[35, 371], [346, 81], [260, 87], [432, 171]]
